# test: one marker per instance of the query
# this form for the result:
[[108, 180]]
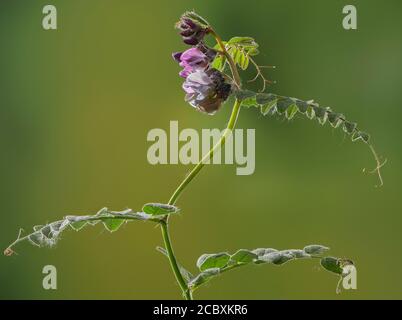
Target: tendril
[[260, 74]]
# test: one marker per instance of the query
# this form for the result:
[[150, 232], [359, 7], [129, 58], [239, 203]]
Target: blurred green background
[[76, 107]]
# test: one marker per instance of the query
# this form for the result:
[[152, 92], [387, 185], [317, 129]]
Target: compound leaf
[[48, 235]]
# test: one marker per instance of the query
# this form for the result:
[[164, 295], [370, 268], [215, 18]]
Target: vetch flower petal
[[191, 60], [206, 90]]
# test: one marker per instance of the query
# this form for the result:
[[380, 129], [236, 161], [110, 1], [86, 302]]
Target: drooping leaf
[[331, 264], [216, 260], [310, 113], [302, 106], [261, 252], [277, 257], [270, 103], [335, 119], [283, 104], [361, 135], [321, 114], [77, 226], [212, 265], [48, 235], [249, 103], [349, 127], [203, 277], [113, 225], [243, 256], [291, 111], [159, 209], [315, 249], [297, 253]]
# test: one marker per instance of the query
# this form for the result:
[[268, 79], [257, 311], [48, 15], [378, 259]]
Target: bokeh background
[[76, 107]]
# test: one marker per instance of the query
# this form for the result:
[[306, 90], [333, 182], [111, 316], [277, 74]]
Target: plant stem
[[173, 263], [230, 126], [164, 224], [232, 64], [201, 164]]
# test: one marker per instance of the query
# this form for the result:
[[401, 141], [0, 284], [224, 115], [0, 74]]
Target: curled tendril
[[261, 75], [379, 165]]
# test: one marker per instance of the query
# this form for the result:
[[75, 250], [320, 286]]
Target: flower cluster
[[205, 87]]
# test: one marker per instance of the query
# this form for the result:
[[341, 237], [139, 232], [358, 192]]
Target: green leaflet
[[331, 264], [47, 235], [158, 209], [241, 49], [212, 265], [203, 277], [243, 41], [315, 249], [217, 260], [243, 256], [219, 63]]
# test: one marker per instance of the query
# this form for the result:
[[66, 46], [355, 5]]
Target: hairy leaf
[[315, 249], [331, 264], [212, 265], [217, 260], [203, 277], [47, 235], [159, 209], [243, 256], [271, 104]]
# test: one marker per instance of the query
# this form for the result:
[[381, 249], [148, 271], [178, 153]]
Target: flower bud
[[192, 28]]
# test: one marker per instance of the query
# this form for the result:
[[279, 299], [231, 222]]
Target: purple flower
[[206, 90], [191, 60], [191, 30]]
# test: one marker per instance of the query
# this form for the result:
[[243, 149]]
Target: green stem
[[232, 64], [201, 164], [164, 224], [231, 124], [173, 263]]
